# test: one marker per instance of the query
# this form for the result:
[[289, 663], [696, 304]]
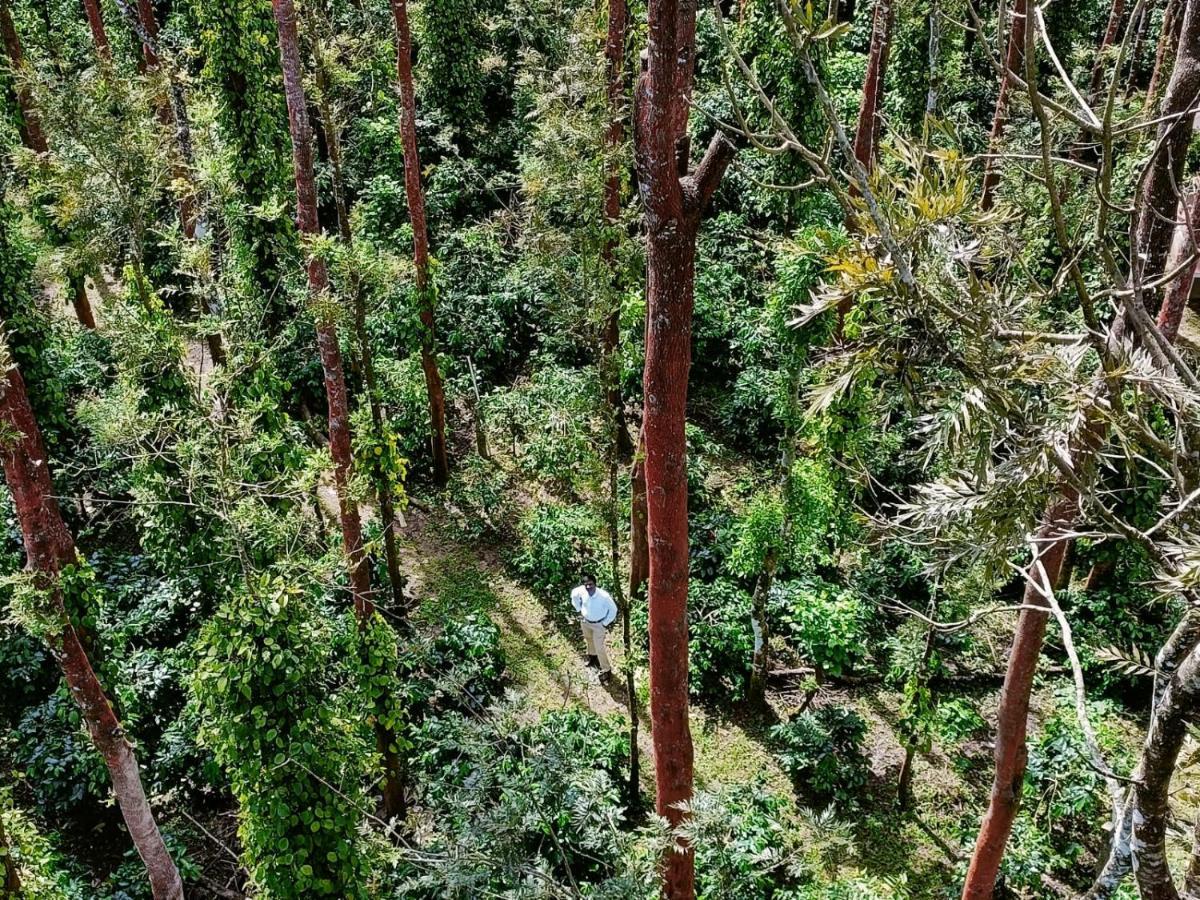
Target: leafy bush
[[477, 499], [557, 545], [822, 751], [825, 622], [720, 639]]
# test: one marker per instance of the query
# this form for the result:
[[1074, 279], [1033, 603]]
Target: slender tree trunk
[[761, 664], [1183, 245], [614, 54], [49, 549], [416, 212], [79, 300], [1115, 16], [1142, 26], [331, 362], [866, 136], [904, 783], [1167, 42], [95, 17], [935, 58], [674, 202], [1013, 61], [1191, 883], [382, 483], [1010, 752], [1157, 198], [30, 127], [639, 544]]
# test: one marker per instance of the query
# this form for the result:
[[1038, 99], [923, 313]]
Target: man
[[596, 612]]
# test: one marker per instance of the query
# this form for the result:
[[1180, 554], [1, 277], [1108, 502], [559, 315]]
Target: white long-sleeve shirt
[[597, 608]]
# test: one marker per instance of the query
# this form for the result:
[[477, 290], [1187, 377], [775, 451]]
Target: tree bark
[[1167, 42], [49, 549], [81, 303], [761, 664], [1010, 752], [331, 363], [416, 212], [1183, 245], [1013, 61], [30, 127], [1107, 40], [1157, 199], [95, 17], [866, 136], [674, 202]]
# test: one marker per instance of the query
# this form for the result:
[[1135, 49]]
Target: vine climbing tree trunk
[[1013, 61], [50, 549], [331, 364], [673, 201], [416, 212]]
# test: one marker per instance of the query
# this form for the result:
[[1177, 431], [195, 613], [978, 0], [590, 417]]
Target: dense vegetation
[[849, 348]]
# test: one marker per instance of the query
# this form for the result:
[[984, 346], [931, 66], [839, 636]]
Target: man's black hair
[[588, 576]]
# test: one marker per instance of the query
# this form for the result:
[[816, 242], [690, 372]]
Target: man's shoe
[[593, 661], [605, 677]]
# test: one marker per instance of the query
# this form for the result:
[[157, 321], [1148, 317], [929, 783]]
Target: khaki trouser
[[594, 635]]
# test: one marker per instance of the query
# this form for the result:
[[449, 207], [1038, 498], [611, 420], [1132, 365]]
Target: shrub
[[825, 622], [720, 641], [557, 544], [477, 499], [822, 751]]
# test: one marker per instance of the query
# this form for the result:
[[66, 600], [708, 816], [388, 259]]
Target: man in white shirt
[[596, 612]]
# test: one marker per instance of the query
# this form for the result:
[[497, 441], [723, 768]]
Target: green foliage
[[279, 724], [558, 544], [453, 44], [720, 640], [826, 623], [477, 499], [823, 752]]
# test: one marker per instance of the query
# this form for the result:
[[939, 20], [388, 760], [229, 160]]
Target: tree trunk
[[382, 483], [79, 300], [95, 17], [1152, 779], [1191, 883], [761, 664], [1013, 62], [1150, 238], [49, 549], [1167, 42], [331, 362], [416, 212], [1183, 245], [866, 136], [1109, 38], [674, 203], [639, 545], [12, 877], [1142, 26], [1010, 752], [614, 54], [30, 127]]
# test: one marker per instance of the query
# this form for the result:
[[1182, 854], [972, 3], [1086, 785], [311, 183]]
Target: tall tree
[[674, 202], [30, 126], [95, 17], [331, 364], [1107, 40], [1156, 200], [416, 213], [866, 137], [55, 562], [1013, 59], [1167, 41]]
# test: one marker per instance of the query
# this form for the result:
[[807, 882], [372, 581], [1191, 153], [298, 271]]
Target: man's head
[[589, 583]]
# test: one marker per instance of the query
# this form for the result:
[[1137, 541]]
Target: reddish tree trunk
[[50, 548], [95, 17], [866, 137], [145, 11], [1010, 752], [1183, 245], [639, 544], [1013, 63], [331, 363], [79, 299], [1157, 198], [614, 54], [1167, 41], [1109, 38], [416, 212], [674, 203], [30, 128]]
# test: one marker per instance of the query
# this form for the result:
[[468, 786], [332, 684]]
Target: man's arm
[[577, 600], [612, 612]]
